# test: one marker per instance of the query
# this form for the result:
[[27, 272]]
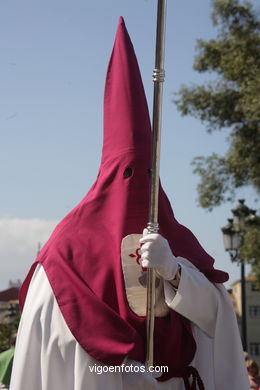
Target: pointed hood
[[126, 118], [83, 257]]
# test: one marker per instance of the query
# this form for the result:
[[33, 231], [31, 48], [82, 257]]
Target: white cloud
[[19, 240]]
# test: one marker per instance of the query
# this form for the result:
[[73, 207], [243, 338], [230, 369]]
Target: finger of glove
[[146, 255], [147, 246], [153, 259], [145, 232], [151, 237], [154, 247], [147, 264]]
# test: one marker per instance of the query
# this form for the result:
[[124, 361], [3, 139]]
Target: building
[[9, 304], [252, 313]]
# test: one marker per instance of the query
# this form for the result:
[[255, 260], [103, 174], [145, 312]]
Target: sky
[[53, 62]]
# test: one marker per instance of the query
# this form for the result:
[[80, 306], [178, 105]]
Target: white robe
[[48, 357]]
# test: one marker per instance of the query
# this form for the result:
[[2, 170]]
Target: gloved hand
[[156, 253]]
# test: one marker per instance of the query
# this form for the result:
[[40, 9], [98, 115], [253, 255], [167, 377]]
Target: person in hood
[[83, 324]]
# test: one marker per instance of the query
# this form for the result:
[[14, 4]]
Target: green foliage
[[215, 181], [4, 336], [8, 328], [232, 100]]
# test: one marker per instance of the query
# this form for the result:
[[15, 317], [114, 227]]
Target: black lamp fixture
[[233, 236], [232, 240]]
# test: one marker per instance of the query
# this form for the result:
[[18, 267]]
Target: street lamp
[[232, 240], [233, 235]]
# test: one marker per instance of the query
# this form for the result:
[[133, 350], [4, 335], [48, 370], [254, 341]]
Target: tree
[[231, 101], [7, 331], [9, 325]]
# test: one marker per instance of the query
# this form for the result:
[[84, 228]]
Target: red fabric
[[195, 379], [82, 258]]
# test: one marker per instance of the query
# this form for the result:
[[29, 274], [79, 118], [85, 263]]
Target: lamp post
[[233, 235]]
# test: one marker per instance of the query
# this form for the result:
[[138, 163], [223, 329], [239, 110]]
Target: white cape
[[48, 357]]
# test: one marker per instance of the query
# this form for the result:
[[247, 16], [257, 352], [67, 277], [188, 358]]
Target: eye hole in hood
[[128, 172]]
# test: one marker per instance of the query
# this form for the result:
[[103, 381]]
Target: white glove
[[156, 253]]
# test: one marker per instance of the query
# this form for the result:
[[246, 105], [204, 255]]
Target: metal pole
[[243, 307], [153, 227]]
